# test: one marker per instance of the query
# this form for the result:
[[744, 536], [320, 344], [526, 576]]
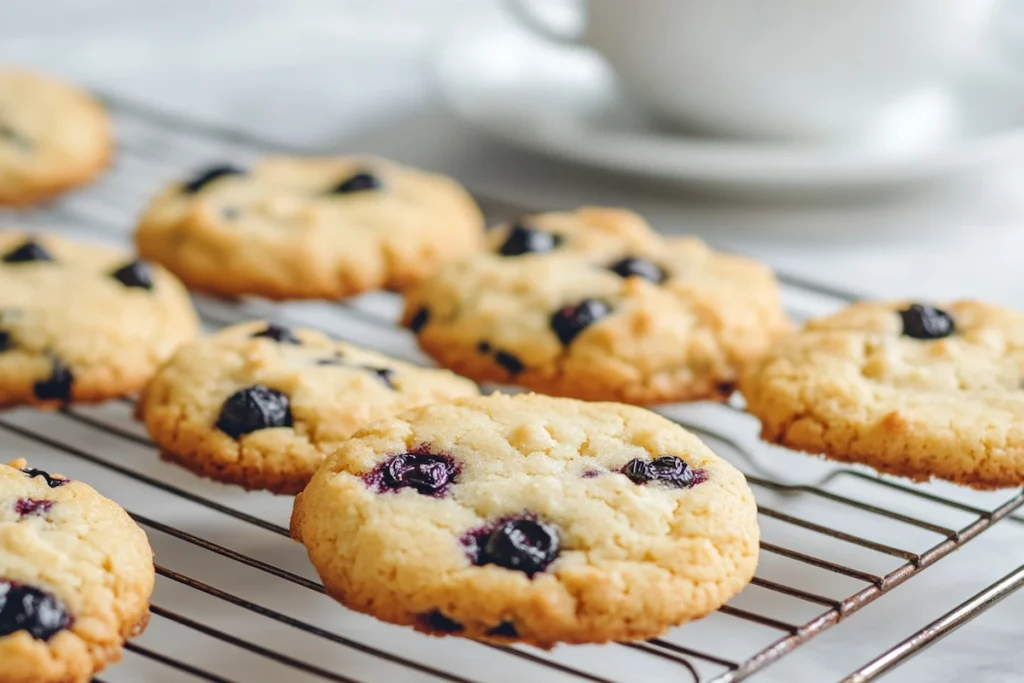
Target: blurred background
[[343, 75]]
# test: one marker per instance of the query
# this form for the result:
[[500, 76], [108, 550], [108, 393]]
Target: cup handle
[[521, 12]]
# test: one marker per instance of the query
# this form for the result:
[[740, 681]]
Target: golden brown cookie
[[909, 389], [262, 405], [76, 574], [53, 137], [304, 227], [82, 322], [594, 305], [529, 519]]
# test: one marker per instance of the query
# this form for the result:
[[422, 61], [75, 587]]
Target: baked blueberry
[[51, 481], [524, 544], [56, 387], [427, 473], [667, 469], [633, 266], [524, 240], [362, 181], [24, 608], [435, 621], [921, 321], [509, 362], [31, 506], [135, 274], [254, 408], [569, 321], [5, 341], [484, 347], [385, 375], [505, 629], [278, 333], [207, 176], [27, 252], [419, 320]]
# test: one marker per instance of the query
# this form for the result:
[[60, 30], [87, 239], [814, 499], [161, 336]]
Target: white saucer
[[564, 103]]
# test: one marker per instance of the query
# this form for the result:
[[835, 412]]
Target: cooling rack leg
[[939, 629]]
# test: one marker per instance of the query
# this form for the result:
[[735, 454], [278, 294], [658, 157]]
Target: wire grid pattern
[[879, 533]]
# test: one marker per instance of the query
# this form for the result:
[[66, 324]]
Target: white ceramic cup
[[773, 69]]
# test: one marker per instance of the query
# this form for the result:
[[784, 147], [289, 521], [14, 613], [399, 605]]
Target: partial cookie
[[529, 519], [262, 405], [82, 322], [909, 389], [292, 227], [76, 574], [53, 137], [594, 305]]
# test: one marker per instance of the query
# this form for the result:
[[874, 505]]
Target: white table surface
[[347, 75]]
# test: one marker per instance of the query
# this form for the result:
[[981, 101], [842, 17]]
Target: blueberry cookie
[[83, 322], [594, 305], [291, 227], [52, 137], [529, 519], [261, 405], [911, 389], [76, 575]]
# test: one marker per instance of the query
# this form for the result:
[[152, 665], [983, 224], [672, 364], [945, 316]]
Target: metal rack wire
[[841, 531]]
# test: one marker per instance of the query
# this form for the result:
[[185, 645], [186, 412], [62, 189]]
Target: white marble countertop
[[348, 75]]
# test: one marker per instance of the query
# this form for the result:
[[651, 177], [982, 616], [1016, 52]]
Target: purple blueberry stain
[[26, 608], [524, 543], [32, 506], [591, 474], [429, 474], [666, 469]]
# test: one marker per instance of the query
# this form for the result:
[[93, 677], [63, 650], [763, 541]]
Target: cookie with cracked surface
[[83, 322], [594, 305], [53, 137], [76, 574], [529, 519], [262, 405], [302, 228], [911, 389]]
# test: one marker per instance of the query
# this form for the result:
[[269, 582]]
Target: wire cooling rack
[[237, 601]]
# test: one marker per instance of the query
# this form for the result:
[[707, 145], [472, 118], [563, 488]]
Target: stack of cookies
[[525, 518]]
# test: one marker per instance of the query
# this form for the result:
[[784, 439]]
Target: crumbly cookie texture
[[294, 227], [82, 322], [262, 405], [76, 575], [909, 389], [53, 137], [594, 305], [529, 519]]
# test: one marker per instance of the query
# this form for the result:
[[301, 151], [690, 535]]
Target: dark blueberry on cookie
[[135, 274], [385, 375], [27, 252], [524, 240], [638, 267], [56, 387], [31, 506], [435, 621], [483, 347], [419, 320], [569, 321], [6, 343], [278, 333], [525, 544], [505, 629], [426, 473], [666, 469], [360, 182], [254, 408], [24, 608], [207, 176], [509, 362], [921, 321], [51, 481]]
